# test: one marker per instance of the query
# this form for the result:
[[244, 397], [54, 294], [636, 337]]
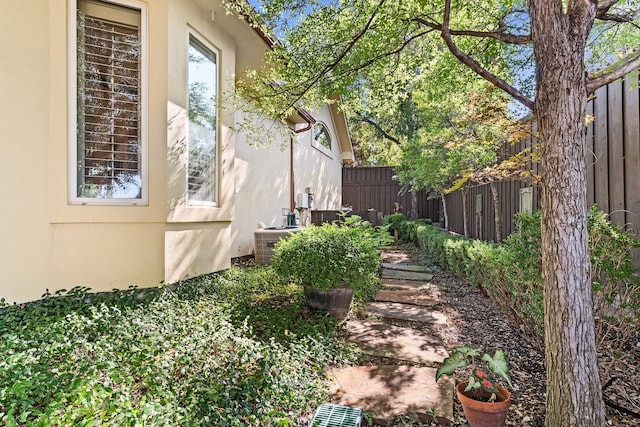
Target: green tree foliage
[[360, 49], [454, 144]]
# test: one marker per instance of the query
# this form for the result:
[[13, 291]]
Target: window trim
[[328, 151], [72, 124], [193, 34]]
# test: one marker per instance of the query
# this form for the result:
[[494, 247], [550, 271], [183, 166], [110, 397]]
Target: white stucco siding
[[107, 256], [320, 169], [191, 252], [263, 181], [261, 187]]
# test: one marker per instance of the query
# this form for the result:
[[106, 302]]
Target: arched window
[[321, 135]]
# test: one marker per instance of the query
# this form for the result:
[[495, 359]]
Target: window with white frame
[[108, 152], [321, 137], [202, 170]]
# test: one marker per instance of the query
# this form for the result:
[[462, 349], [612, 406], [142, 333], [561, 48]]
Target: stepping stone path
[[387, 391], [406, 297], [405, 387], [407, 284], [396, 342], [406, 275], [408, 312], [406, 267]]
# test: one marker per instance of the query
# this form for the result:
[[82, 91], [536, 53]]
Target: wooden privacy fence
[[373, 188], [613, 174]]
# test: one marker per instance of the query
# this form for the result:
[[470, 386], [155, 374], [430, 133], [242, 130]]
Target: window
[[108, 109], [321, 136], [202, 182]]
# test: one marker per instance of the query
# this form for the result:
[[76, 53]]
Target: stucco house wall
[[263, 190], [320, 168], [48, 242]]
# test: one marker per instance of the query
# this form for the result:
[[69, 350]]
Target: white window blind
[[108, 59]]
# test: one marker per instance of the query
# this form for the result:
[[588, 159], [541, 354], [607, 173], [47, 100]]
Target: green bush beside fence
[[510, 273]]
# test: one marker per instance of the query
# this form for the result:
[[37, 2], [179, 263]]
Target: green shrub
[[511, 274], [616, 283], [394, 220], [173, 356], [333, 256], [523, 271], [408, 229], [496, 268]]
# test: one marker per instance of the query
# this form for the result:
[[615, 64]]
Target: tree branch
[[376, 58], [309, 84], [631, 63], [378, 128], [498, 35], [604, 6], [602, 13], [475, 65], [296, 95], [617, 18]]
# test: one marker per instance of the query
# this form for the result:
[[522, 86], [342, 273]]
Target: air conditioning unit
[[265, 239], [302, 201]]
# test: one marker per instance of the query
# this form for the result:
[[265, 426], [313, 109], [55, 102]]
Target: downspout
[[292, 188], [271, 41]]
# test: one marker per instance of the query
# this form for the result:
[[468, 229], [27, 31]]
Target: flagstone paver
[[406, 267], [397, 255], [407, 284], [396, 342], [394, 310], [406, 297], [389, 391], [406, 275]]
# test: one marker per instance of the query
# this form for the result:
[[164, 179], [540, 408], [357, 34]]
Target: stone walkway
[[403, 385]]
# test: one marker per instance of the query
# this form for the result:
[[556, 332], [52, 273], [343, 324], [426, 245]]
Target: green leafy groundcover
[[231, 349]]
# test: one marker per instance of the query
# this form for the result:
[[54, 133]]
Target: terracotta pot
[[334, 301], [484, 414]]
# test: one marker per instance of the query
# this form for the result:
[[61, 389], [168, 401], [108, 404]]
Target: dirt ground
[[474, 319]]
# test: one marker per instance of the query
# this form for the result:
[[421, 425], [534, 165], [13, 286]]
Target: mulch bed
[[474, 319]]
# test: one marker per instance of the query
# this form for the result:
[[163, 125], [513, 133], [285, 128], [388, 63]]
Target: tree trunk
[[497, 213], [574, 394], [445, 213], [413, 214], [465, 221]]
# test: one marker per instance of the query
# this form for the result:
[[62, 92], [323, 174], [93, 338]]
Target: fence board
[[631, 119], [374, 188], [601, 166], [616, 153], [613, 168], [590, 159]]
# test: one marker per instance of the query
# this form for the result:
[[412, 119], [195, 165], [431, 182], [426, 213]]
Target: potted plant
[[485, 402], [331, 261]]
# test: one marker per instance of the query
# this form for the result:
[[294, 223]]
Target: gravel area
[[474, 319]]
